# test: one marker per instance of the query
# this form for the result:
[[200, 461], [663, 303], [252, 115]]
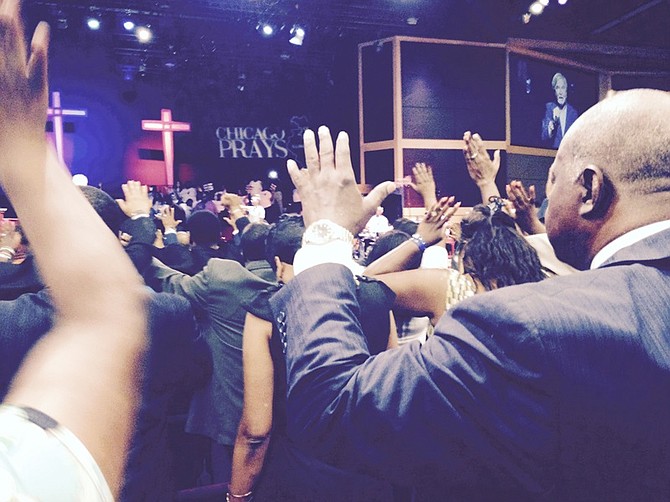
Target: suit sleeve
[[195, 289], [466, 404]]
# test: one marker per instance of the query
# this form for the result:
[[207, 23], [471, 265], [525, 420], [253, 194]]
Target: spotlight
[[144, 34], [93, 23], [297, 35], [562, 2], [412, 21], [536, 8], [273, 175], [128, 25], [266, 29], [80, 180], [544, 2]]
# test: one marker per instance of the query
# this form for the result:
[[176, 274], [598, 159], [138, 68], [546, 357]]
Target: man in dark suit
[[558, 390], [559, 115]]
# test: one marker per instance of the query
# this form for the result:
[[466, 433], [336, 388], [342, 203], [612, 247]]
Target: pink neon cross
[[56, 112], [168, 127]]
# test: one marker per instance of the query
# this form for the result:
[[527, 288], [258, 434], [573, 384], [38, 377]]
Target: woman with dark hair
[[493, 253]]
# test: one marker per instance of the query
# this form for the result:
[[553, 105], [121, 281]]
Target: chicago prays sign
[[251, 143], [261, 142]]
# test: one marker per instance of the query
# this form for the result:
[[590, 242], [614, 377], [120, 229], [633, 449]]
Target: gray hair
[[556, 78]]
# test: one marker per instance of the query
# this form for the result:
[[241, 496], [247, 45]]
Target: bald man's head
[[611, 174], [628, 136]]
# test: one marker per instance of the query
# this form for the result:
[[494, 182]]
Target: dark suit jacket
[[558, 390], [570, 116], [216, 294]]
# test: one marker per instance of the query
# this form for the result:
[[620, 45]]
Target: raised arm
[[525, 210], [85, 373], [481, 168], [429, 232], [424, 184], [429, 405]]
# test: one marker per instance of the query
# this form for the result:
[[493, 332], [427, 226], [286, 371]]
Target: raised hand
[[136, 199], [431, 228], [524, 205], [482, 168], [168, 219], [328, 188], [424, 184], [23, 90]]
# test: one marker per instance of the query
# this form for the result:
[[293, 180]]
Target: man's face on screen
[[561, 91]]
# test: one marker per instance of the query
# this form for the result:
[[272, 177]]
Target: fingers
[[342, 154], [496, 159], [377, 196], [311, 152], [442, 210], [38, 63], [11, 35], [326, 150], [294, 172]]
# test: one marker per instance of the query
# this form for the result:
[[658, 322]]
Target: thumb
[[496, 159], [377, 195]]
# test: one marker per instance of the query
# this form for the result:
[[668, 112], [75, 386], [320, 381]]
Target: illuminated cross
[[168, 128], [56, 112]]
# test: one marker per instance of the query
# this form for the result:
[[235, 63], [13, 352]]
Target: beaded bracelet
[[418, 240]]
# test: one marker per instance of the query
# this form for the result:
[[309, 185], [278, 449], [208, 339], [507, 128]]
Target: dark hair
[[105, 206], [389, 241], [406, 225], [241, 223], [284, 239], [253, 241], [204, 227], [494, 252]]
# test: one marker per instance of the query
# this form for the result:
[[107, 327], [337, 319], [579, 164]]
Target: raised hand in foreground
[[327, 186], [84, 375]]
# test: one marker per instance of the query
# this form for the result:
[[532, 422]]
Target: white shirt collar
[[628, 239]]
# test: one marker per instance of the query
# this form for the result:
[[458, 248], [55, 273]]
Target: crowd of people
[[491, 354]]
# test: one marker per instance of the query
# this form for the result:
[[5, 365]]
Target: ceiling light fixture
[[297, 35], [93, 23], [144, 34]]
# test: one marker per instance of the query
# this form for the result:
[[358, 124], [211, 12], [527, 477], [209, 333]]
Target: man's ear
[[597, 193]]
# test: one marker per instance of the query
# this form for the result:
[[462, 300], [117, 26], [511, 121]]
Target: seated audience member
[[378, 224], [253, 250], [265, 464], [68, 417], [556, 390]]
